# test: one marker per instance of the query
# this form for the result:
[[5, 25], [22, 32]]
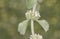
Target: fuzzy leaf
[[44, 24], [30, 3], [22, 27]]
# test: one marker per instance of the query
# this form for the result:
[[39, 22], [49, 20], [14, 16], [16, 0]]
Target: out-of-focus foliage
[[30, 3], [13, 11]]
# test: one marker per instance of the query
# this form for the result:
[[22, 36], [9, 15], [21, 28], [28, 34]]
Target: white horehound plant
[[33, 15]]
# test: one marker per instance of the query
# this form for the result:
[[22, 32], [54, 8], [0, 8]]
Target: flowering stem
[[34, 6], [32, 27]]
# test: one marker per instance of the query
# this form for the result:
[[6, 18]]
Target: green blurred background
[[12, 12]]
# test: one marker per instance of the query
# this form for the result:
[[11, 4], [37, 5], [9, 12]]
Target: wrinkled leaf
[[22, 27], [30, 3], [44, 24]]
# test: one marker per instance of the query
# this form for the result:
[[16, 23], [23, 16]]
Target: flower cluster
[[36, 36], [32, 15]]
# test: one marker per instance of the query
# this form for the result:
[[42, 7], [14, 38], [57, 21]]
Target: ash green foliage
[[22, 27], [30, 3], [50, 10]]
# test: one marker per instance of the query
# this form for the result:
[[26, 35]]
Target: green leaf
[[44, 24], [40, 1], [22, 27], [30, 3]]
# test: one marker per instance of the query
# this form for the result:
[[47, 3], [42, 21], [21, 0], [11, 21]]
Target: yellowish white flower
[[36, 36], [32, 15]]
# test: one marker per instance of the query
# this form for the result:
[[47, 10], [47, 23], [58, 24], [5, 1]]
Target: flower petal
[[44, 24], [22, 27]]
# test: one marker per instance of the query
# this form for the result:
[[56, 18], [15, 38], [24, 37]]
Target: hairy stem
[[32, 27], [34, 7]]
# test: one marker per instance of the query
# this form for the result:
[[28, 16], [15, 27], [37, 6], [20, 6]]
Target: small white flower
[[32, 15], [36, 36]]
